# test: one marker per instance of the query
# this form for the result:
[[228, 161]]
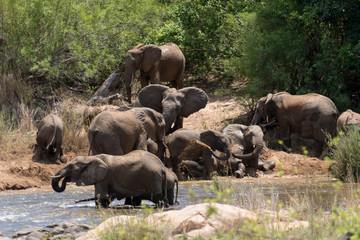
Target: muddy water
[[43, 206]]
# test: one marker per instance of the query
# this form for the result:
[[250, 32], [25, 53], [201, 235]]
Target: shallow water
[[43, 206]]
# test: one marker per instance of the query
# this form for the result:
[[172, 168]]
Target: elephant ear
[[195, 99], [151, 96], [151, 54], [94, 171]]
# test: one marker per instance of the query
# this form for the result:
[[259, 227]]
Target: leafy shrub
[[345, 150]]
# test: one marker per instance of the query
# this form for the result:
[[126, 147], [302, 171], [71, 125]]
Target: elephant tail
[[54, 134], [164, 187], [177, 192]]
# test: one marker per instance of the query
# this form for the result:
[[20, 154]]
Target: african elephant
[[208, 141], [173, 104], [347, 119], [119, 132], [49, 137], [156, 148], [309, 116], [138, 174], [195, 169], [156, 64]]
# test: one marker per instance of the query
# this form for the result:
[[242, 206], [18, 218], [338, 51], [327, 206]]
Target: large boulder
[[201, 220]]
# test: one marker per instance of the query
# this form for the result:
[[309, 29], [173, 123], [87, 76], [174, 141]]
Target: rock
[[27, 231], [195, 220]]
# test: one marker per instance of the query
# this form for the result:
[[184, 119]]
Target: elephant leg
[[144, 81], [175, 162], [132, 201], [141, 143], [318, 148], [209, 164], [240, 173]]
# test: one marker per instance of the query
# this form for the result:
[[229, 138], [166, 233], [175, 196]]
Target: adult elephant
[[248, 143], [180, 141], [49, 137], [138, 174], [173, 104], [347, 119], [309, 116], [156, 64], [119, 132]]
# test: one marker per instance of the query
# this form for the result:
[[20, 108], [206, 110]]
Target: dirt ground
[[24, 172]]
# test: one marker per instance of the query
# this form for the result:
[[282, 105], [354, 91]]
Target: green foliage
[[345, 150], [303, 47], [77, 42]]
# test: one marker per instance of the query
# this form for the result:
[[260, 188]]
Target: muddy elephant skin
[[50, 136], [309, 116], [138, 174], [157, 64], [119, 132], [179, 140], [173, 104]]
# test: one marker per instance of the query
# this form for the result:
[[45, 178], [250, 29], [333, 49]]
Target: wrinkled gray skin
[[119, 132], [156, 64], [249, 139], [156, 148], [180, 139], [138, 174], [309, 116], [49, 137], [231, 167], [347, 119], [173, 104]]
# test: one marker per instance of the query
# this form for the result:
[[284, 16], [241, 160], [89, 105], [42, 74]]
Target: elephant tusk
[[56, 176]]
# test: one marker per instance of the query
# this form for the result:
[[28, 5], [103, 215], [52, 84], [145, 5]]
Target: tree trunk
[[101, 94]]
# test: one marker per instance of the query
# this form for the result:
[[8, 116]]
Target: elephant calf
[[49, 137], [248, 142], [138, 175], [211, 140]]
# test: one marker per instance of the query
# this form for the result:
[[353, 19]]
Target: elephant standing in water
[[119, 132], [49, 137], [156, 64], [309, 116], [347, 119], [179, 140], [173, 104], [248, 143], [138, 174]]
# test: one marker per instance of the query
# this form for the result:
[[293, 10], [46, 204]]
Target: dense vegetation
[[272, 45]]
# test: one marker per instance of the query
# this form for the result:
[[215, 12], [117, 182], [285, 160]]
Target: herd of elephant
[[140, 153]]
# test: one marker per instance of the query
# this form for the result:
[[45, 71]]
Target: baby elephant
[[138, 175], [49, 137]]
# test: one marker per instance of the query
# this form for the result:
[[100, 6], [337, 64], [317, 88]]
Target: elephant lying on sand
[[173, 104], [49, 137], [119, 132], [309, 116], [138, 174], [347, 119], [212, 140], [156, 64], [250, 140]]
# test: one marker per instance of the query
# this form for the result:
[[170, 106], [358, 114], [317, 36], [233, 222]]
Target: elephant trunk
[[169, 113], [55, 184], [254, 154], [129, 75], [225, 157], [256, 119]]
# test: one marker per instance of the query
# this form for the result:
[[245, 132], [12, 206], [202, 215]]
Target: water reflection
[[43, 206]]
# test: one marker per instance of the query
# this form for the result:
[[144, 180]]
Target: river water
[[43, 206]]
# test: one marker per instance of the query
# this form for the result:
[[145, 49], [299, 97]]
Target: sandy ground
[[24, 172]]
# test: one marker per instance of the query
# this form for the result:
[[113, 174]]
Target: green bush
[[345, 151]]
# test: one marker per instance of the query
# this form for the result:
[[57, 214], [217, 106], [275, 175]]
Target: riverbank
[[19, 168]]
